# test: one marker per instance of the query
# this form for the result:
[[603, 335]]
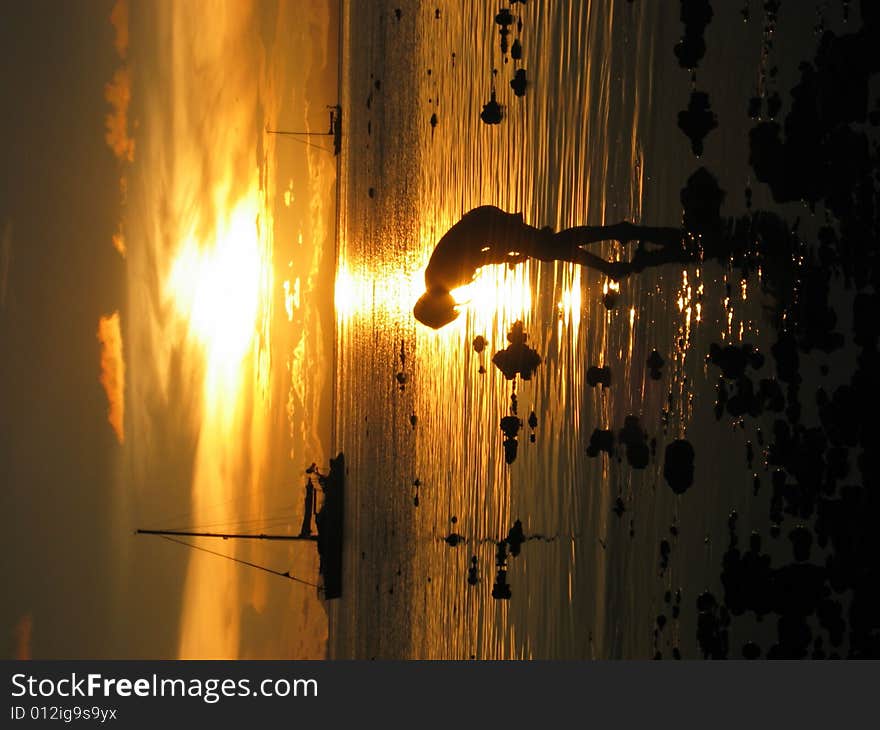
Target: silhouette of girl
[[487, 235]]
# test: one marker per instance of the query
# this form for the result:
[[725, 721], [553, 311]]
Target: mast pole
[[227, 536]]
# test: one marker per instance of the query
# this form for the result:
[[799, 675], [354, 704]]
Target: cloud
[[113, 372], [119, 243], [22, 633], [119, 21], [117, 92]]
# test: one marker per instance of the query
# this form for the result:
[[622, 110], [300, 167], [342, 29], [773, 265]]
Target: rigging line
[[239, 560], [301, 141], [239, 523]]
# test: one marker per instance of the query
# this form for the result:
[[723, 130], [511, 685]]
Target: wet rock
[[598, 376], [609, 298], [801, 541], [518, 358], [519, 83], [533, 420], [515, 538], [697, 120], [696, 15], [701, 199], [504, 18], [733, 360], [511, 447], [755, 104], [678, 466], [635, 439], [492, 113], [516, 50], [500, 589], [479, 344], [601, 441], [473, 574], [655, 365]]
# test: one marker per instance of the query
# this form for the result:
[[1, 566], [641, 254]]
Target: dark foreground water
[[625, 567]]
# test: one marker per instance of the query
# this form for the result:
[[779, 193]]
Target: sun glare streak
[[498, 295], [219, 288]]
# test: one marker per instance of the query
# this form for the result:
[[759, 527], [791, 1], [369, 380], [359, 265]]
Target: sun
[[217, 287]]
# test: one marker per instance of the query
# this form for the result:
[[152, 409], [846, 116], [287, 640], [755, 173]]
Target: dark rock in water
[[601, 441], [515, 538], [597, 376], [701, 198], [696, 15], [655, 360], [697, 120], [655, 365], [453, 539], [504, 18], [500, 589], [678, 467], [504, 32], [491, 113], [638, 454], [516, 50], [510, 449], [801, 541], [533, 420], [609, 298], [473, 575], [755, 107], [632, 431], [706, 602], [619, 508], [433, 122], [733, 360], [785, 353], [518, 358], [519, 83], [510, 426], [479, 344], [774, 104], [751, 650]]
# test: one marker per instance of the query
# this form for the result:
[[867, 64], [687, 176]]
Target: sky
[[164, 321]]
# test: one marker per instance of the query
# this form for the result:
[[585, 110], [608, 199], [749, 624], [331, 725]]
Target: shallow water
[[593, 140]]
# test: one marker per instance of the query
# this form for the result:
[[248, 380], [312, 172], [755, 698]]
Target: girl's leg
[[622, 232]]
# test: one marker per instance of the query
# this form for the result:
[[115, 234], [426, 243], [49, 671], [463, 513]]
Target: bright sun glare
[[217, 288]]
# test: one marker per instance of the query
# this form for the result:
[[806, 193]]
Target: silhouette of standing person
[[487, 235]]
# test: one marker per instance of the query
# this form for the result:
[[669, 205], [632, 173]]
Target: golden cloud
[[119, 243], [117, 92], [23, 632], [119, 21], [113, 372]]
